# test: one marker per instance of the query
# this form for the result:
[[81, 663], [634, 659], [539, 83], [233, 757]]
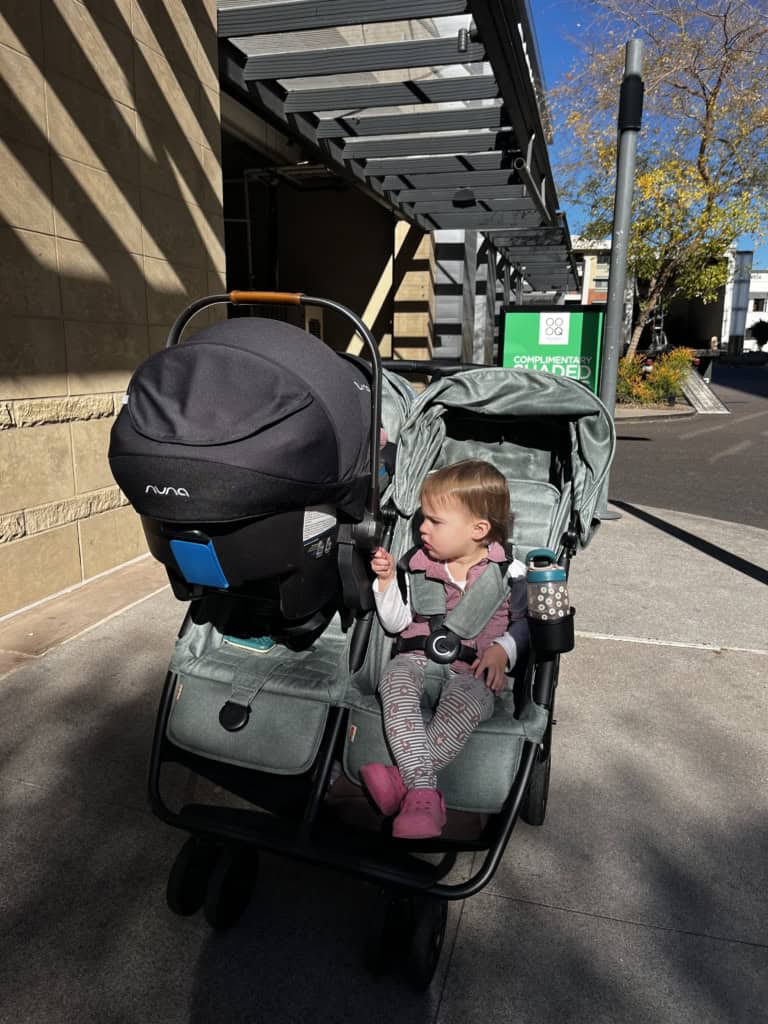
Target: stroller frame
[[307, 835]]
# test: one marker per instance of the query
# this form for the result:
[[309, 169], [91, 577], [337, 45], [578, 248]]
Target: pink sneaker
[[422, 815], [385, 786]]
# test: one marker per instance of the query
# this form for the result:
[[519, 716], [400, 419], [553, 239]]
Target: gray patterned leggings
[[420, 752]]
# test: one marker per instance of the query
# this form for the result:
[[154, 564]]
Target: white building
[[757, 308]]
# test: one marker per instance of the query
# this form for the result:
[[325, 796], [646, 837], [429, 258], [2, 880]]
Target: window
[[601, 283], [603, 259], [758, 305]]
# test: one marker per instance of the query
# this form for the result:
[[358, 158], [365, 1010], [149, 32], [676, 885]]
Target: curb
[[660, 415]]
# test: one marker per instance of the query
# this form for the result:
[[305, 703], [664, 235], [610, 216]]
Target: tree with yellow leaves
[[702, 176]]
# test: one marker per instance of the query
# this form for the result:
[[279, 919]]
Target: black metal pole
[[630, 118]]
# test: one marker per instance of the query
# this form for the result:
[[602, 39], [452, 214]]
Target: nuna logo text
[[177, 492]]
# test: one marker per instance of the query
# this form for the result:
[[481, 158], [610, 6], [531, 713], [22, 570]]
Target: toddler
[[466, 514]]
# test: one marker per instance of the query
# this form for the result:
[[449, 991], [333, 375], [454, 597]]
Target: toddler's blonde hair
[[480, 488]]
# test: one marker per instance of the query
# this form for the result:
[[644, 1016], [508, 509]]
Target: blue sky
[[555, 21]]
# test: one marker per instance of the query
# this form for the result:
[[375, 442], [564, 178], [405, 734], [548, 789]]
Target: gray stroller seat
[[547, 461]]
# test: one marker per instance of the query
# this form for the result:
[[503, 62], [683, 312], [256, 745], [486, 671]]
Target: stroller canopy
[[247, 418], [514, 395]]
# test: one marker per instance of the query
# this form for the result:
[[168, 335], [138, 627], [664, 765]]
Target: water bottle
[[550, 616]]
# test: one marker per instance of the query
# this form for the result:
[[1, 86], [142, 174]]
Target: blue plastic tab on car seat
[[199, 563]]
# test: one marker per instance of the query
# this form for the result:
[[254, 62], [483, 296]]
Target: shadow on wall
[[115, 175]]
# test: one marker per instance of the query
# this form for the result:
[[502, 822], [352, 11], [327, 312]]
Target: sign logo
[[554, 328], [563, 341]]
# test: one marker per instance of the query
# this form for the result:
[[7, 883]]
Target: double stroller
[[253, 454]]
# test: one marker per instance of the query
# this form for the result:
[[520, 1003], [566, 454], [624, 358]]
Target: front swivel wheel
[[188, 878], [230, 886]]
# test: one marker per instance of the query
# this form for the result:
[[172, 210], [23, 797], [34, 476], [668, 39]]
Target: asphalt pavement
[[709, 465], [643, 898]]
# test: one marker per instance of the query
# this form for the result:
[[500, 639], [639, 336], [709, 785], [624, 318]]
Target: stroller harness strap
[[475, 609]]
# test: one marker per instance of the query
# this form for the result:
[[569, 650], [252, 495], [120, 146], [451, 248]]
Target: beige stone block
[[36, 466], [32, 357], [93, 128], [169, 162], [102, 357], [110, 539], [101, 285], [412, 325], [33, 412], [204, 16], [170, 289], [21, 29], [416, 286], [25, 199], [29, 284], [173, 230], [57, 513], [94, 52], [210, 118], [166, 26], [211, 192], [12, 527], [22, 102], [90, 443], [117, 12], [425, 249], [412, 352], [167, 95], [95, 208], [158, 335], [210, 226], [50, 623], [34, 567]]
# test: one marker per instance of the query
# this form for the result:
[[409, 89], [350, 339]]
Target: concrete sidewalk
[[642, 899]]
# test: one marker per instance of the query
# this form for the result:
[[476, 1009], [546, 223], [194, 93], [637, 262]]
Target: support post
[[630, 118]]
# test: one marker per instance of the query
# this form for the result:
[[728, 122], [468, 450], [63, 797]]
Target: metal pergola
[[434, 107]]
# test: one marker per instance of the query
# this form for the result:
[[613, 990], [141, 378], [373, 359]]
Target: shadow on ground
[[638, 901]]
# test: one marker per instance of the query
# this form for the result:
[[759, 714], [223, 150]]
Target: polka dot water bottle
[[550, 616]]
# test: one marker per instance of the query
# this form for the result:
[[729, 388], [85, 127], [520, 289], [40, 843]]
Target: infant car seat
[[247, 452]]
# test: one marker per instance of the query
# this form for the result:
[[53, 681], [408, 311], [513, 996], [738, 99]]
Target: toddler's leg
[[400, 688], [464, 703]]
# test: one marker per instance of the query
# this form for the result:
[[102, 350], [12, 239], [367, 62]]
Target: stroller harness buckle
[[474, 611]]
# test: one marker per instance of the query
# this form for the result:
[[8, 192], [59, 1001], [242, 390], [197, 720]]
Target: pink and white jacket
[[507, 627]]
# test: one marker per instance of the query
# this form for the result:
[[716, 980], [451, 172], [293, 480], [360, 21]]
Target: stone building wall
[[111, 207]]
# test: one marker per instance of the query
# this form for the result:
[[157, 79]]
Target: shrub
[[665, 379], [629, 379], [669, 373]]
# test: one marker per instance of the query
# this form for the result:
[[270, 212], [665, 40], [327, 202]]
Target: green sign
[[564, 340]]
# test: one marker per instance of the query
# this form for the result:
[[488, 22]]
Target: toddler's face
[[449, 531]]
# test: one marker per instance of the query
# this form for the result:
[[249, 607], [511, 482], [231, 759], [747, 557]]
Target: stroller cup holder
[[554, 637]]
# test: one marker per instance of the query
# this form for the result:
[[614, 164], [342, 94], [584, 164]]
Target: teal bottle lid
[[543, 568]]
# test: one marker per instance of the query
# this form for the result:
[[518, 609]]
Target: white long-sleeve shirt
[[395, 613]]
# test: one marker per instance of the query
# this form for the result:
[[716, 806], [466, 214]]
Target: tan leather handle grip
[[278, 298]]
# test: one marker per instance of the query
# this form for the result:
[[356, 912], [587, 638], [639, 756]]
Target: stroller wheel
[[534, 807], [408, 933], [429, 916], [389, 933], [230, 886], [188, 878]]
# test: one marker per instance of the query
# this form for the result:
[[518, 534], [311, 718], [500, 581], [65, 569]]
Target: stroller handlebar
[[277, 298]]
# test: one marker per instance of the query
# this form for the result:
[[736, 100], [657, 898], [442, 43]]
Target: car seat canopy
[[249, 417]]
